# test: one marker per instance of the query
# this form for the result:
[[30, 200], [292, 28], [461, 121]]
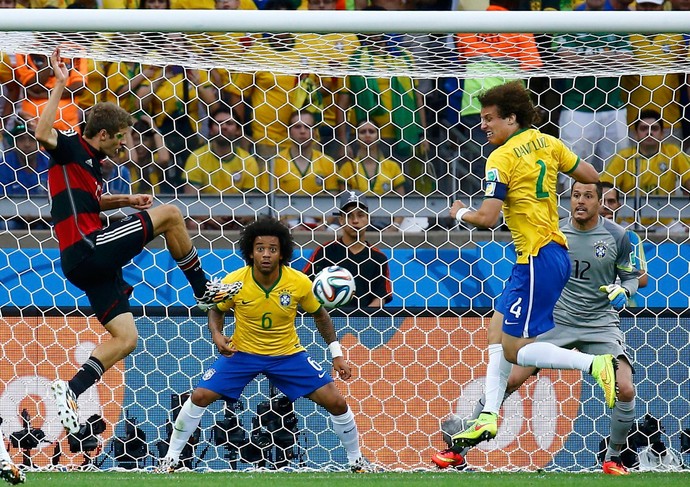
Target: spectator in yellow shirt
[[223, 167], [372, 173], [651, 167], [301, 169]]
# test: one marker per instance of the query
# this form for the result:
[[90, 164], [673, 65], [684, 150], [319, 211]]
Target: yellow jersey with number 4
[[523, 172], [265, 318]]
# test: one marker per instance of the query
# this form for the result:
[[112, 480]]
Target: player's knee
[[172, 214], [128, 344], [203, 397], [626, 391], [510, 355], [336, 405]]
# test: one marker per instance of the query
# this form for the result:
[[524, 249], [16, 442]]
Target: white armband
[[461, 213], [335, 349]]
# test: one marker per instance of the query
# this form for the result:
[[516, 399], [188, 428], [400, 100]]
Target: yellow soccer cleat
[[483, 428], [604, 371]]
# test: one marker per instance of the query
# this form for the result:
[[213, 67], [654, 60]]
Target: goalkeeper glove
[[617, 294]]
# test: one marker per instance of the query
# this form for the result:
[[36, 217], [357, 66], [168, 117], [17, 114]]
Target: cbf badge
[[600, 248], [285, 299], [209, 373]]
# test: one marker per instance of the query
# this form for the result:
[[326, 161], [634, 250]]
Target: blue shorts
[[532, 290], [295, 375]]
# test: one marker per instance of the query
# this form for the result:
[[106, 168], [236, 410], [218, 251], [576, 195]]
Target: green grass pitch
[[337, 479]]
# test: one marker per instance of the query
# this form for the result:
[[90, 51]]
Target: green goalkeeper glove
[[617, 294]]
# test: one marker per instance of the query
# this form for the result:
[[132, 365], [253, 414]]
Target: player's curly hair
[[108, 116], [511, 98], [266, 227]]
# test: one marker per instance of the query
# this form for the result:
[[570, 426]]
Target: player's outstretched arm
[[45, 133], [485, 217]]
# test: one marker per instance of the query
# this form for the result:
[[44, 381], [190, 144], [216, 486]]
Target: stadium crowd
[[213, 132]]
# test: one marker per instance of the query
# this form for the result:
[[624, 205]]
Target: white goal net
[[244, 114]]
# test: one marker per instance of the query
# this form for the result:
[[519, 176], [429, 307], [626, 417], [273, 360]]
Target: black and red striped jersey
[[75, 184]]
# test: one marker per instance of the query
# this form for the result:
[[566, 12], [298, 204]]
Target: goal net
[[236, 118]]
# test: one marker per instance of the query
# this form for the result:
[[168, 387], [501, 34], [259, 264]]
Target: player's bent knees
[[330, 398], [337, 407], [626, 391], [127, 343], [510, 354], [166, 216], [204, 397]]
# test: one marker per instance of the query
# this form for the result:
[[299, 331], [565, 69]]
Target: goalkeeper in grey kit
[[586, 314]]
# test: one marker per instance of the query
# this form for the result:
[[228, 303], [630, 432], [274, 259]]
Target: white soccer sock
[[345, 427], [185, 424], [497, 373], [4, 455], [549, 356]]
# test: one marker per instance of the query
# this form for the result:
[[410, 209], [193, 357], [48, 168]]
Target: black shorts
[[100, 274]]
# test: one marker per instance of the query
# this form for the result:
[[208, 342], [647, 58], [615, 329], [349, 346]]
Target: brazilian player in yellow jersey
[[521, 176], [265, 342]]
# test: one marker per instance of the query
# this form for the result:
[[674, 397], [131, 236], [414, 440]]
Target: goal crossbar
[[341, 21]]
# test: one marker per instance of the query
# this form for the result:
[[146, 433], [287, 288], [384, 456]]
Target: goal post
[[419, 363]]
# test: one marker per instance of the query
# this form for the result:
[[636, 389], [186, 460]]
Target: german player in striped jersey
[[91, 255]]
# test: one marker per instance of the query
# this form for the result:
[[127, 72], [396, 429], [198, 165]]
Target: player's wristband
[[461, 213], [335, 349]]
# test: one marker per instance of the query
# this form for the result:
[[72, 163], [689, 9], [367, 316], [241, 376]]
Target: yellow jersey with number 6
[[265, 318], [523, 172]]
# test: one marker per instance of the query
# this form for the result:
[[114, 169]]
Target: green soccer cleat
[[604, 371], [483, 428]]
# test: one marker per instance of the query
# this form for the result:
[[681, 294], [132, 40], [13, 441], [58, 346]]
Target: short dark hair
[[144, 128], [511, 98], [266, 226], [649, 113], [106, 116], [223, 108], [606, 185], [599, 188]]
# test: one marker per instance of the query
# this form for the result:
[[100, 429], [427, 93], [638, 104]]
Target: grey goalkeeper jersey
[[597, 257]]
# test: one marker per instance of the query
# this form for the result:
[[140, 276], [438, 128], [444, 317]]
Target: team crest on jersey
[[236, 177], [663, 167], [209, 373], [600, 249], [319, 180], [285, 298], [386, 187], [68, 133]]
